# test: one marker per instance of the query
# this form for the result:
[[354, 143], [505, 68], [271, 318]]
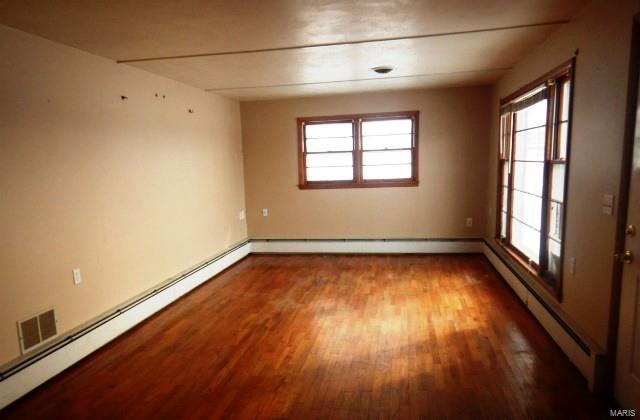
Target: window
[[351, 151], [533, 166]]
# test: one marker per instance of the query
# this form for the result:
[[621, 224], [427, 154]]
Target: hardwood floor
[[329, 336]]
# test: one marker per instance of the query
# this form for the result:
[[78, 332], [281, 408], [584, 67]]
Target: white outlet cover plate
[[77, 276]]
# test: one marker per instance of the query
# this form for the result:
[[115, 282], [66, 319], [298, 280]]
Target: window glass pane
[[555, 220], [505, 121], [323, 130], [386, 127], [530, 144], [386, 158], [503, 225], [502, 136], [329, 159], [335, 173], [532, 116], [563, 132], [564, 106], [528, 177], [505, 197], [525, 239], [387, 172], [557, 182], [333, 144], [527, 208], [553, 254], [505, 173], [391, 141]]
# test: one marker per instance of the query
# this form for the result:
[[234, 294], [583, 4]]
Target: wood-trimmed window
[[354, 151], [533, 168]]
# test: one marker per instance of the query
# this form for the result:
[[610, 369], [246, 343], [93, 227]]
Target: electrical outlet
[[77, 276], [265, 212], [242, 215], [469, 221]]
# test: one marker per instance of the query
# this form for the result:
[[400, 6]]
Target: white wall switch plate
[[607, 204], [469, 222], [265, 212], [77, 276], [572, 266], [242, 215]]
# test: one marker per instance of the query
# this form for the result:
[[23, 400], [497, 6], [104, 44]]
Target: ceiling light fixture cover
[[382, 69]]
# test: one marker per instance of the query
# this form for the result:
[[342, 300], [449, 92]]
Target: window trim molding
[[566, 69], [357, 151]]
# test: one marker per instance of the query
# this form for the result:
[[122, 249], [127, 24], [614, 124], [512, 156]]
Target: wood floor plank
[[329, 336]]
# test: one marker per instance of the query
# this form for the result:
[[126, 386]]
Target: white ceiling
[[255, 49]]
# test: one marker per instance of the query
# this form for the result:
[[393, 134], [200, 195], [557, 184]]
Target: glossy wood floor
[[329, 337]]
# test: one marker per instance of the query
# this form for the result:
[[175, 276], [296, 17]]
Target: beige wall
[[453, 142], [131, 192], [602, 32]]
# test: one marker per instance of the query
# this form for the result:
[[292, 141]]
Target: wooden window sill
[[371, 184], [532, 272]]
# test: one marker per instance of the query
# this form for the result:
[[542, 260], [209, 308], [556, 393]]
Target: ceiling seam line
[[356, 80], [335, 44]]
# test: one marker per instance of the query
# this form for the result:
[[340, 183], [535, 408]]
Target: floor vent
[[36, 330]]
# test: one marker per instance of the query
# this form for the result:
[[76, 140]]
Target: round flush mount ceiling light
[[382, 69]]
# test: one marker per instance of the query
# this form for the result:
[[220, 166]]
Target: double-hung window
[[351, 151], [535, 126]]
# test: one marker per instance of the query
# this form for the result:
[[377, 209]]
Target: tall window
[[351, 151], [533, 161]]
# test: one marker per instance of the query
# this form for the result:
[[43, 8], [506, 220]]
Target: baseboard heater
[[27, 373], [34, 369], [369, 246], [585, 354]]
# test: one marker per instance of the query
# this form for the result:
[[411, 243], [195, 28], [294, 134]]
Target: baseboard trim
[[582, 352], [28, 373], [369, 246]]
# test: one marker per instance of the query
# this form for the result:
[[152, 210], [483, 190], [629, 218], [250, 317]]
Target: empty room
[[417, 209]]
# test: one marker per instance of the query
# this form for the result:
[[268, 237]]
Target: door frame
[[623, 203]]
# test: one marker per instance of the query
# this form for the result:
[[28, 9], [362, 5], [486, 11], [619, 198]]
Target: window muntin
[[368, 150], [532, 171]]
